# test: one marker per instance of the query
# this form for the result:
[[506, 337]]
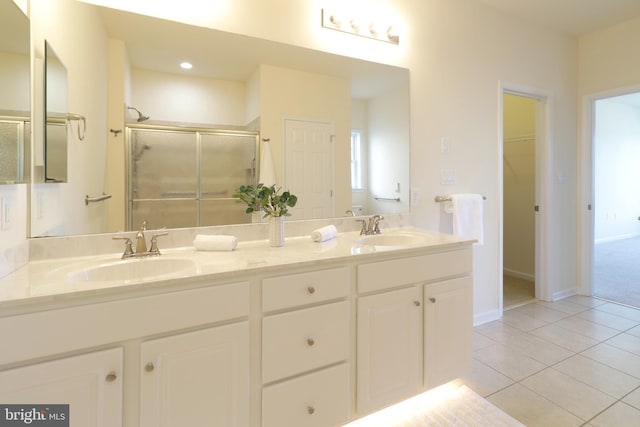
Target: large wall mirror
[[237, 84], [15, 94]]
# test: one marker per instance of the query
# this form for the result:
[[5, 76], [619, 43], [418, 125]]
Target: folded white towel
[[467, 216], [204, 242], [323, 234]]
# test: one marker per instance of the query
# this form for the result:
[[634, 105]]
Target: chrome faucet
[[372, 227], [141, 244]]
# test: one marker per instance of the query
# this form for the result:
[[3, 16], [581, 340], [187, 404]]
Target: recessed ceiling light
[[186, 65]]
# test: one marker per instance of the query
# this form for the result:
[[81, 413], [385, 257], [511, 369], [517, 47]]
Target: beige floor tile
[[565, 338], [539, 349], [508, 361], [626, 342], [633, 398], [498, 331], [621, 360], [620, 310], [634, 331], [608, 319], [585, 300], [619, 415], [531, 409], [565, 306], [481, 341], [485, 380], [569, 393], [521, 321], [587, 328], [541, 312], [599, 376]]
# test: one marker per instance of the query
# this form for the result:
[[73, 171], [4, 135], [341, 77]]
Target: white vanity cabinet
[[91, 384], [389, 346], [448, 320], [305, 349], [198, 378], [407, 343]]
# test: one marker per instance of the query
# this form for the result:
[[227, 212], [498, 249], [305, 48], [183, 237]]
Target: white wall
[[617, 176], [15, 85], [185, 99]]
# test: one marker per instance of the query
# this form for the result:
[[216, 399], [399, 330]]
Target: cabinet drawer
[[321, 399], [406, 271], [103, 323], [301, 340], [305, 288]]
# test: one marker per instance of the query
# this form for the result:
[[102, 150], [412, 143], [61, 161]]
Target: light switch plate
[[5, 214], [447, 176]]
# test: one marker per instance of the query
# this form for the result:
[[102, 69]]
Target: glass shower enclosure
[[184, 177]]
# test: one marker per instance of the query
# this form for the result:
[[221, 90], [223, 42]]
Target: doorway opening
[[616, 207], [524, 179], [519, 195]]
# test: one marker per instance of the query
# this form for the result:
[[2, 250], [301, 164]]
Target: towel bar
[[440, 199], [397, 199], [88, 199]]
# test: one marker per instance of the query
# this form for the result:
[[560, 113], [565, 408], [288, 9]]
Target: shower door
[[186, 178]]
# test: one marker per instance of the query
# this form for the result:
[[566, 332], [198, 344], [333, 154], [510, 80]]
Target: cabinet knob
[[432, 299], [311, 290], [149, 367], [417, 303], [310, 342], [111, 377], [311, 409]]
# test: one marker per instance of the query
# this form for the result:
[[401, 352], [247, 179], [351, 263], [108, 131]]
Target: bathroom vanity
[[311, 334]]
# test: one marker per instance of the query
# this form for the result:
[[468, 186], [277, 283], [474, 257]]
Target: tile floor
[[574, 362]]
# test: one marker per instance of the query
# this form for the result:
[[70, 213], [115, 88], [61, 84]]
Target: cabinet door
[[196, 379], [448, 330], [90, 384], [389, 349]]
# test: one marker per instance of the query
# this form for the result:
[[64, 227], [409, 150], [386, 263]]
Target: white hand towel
[[204, 242], [467, 216], [323, 234], [267, 170]]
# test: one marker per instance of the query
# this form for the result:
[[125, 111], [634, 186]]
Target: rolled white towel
[[324, 233], [204, 242]]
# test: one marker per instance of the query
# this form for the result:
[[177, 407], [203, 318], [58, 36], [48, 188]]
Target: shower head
[[141, 117]]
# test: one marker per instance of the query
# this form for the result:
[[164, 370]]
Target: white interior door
[[309, 167]]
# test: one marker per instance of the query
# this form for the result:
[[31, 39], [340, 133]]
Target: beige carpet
[[446, 406]]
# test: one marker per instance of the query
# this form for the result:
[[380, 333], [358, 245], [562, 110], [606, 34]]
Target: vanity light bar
[[364, 28]]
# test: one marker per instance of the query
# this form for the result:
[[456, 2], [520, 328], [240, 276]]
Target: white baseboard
[[519, 275], [563, 294], [486, 317], [614, 238]]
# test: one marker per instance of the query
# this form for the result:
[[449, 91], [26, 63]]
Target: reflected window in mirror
[[357, 160], [15, 94], [55, 133]]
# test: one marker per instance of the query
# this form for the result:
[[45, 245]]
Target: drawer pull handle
[[310, 342], [417, 303], [111, 377], [432, 299], [311, 290], [149, 367], [311, 410]]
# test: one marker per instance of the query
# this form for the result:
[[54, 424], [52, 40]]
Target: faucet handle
[[363, 229], [154, 243], [376, 223], [128, 246]]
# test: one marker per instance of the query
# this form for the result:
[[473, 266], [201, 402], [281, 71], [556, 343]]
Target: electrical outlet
[[415, 196], [5, 214]]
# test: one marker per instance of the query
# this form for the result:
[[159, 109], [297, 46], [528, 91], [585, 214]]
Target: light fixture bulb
[[186, 65]]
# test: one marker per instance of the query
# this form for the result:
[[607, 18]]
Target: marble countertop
[[63, 280]]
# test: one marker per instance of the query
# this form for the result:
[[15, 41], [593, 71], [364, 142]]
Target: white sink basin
[[392, 240], [135, 269]]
